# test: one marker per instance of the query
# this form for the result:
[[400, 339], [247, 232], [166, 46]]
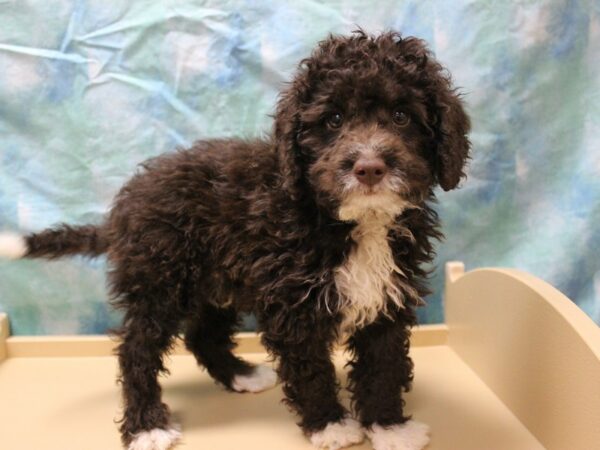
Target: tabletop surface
[[72, 404]]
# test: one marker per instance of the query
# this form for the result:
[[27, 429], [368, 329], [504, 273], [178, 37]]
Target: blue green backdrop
[[90, 88]]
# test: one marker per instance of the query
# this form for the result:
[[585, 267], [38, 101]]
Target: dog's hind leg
[[146, 422], [209, 337]]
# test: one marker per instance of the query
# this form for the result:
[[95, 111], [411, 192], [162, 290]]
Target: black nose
[[369, 171]]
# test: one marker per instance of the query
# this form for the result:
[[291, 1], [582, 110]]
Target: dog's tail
[[61, 240]]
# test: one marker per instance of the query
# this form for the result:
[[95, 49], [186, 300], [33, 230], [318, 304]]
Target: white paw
[[157, 439], [338, 434], [261, 379], [410, 435]]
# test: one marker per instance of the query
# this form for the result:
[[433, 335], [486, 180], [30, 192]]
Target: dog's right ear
[[287, 127]]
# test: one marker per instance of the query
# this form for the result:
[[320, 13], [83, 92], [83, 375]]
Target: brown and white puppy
[[321, 231]]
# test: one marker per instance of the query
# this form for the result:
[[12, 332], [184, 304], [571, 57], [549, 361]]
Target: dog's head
[[371, 122]]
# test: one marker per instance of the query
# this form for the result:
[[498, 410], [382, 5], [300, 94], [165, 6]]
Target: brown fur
[[229, 226]]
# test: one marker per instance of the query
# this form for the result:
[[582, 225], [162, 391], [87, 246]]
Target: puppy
[[320, 230]]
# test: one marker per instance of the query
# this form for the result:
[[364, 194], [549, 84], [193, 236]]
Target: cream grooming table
[[515, 367]]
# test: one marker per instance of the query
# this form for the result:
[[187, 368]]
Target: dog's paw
[[338, 434], [411, 435], [157, 439], [261, 379]]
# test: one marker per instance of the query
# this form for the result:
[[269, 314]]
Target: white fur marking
[[157, 439], [261, 379], [338, 434], [411, 435], [369, 276], [12, 246]]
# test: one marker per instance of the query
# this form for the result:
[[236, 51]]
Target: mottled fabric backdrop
[[90, 88]]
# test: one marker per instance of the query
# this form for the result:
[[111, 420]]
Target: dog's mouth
[[369, 190], [360, 202], [384, 206]]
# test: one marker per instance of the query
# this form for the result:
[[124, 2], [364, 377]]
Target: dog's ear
[[449, 121], [451, 128], [287, 123]]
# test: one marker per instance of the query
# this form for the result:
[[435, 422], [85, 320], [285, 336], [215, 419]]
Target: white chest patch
[[368, 279]]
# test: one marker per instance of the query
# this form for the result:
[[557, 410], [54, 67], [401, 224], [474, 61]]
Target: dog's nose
[[370, 171]]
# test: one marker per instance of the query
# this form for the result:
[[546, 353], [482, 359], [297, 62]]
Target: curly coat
[[229, 226]]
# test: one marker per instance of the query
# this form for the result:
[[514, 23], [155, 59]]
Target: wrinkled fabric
[[90, 88]]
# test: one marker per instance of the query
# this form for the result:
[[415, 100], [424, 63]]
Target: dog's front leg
[[302, 343], [380, 370]]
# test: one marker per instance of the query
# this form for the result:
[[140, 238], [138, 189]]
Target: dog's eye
[[400, 118], [335, 119]]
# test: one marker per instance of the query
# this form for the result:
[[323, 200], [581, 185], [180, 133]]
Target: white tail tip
[[12, 246]]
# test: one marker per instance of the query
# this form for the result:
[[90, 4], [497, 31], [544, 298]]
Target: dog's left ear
[[449, 121], [452, 125]]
